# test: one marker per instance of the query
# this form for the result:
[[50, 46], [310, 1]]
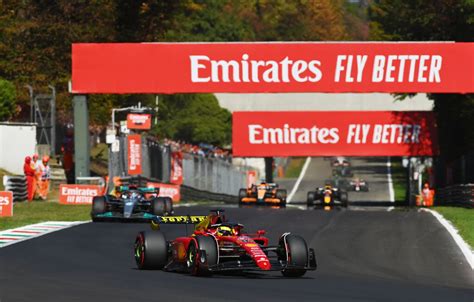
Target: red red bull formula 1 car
[[218, 246]]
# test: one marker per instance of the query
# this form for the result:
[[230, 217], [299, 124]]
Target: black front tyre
[[242, 194], [158, 206], [311, 198], [295, 253], [99, 206], [344, 199], [281, 194], [168, 205], [194, 262], [151, 250]]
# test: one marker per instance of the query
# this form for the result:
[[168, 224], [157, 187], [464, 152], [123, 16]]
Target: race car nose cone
[[264, 265]]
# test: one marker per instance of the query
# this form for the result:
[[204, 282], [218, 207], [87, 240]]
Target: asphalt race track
[[362, 256]]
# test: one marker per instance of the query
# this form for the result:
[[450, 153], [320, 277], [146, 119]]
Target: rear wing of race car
[[188, 219]]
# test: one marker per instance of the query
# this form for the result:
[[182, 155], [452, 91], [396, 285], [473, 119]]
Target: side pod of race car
[[131, 203], [217, 245], [263, 194]]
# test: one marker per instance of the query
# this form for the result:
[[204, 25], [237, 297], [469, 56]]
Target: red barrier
[[272, 67], [336, 133], [6, 203]]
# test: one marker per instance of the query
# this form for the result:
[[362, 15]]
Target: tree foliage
[[36, 38], [449, 20], [7, 99]]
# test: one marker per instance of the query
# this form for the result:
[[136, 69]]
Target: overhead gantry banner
[[273, 67], [334, 133]]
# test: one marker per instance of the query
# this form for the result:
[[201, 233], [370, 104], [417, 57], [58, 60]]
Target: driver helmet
[[224, 230]]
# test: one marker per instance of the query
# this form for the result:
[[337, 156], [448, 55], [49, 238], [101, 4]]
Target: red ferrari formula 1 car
[[217, 246]]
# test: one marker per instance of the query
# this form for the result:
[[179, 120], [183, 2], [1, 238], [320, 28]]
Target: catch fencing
[[457, 194], [213, 175], [156, 160], [16, 184], [204, 174]]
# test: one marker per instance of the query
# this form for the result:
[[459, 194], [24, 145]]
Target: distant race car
[[340, 162], [342, 171], [264, 194], [327, 196], [359, 185], [217, 245], [131, 202]]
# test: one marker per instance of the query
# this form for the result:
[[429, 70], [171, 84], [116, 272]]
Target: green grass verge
[[294, 167], [399, 178], [462, 219], [25, 213]]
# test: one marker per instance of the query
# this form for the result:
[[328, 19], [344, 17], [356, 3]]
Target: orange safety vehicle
[[263, 194]]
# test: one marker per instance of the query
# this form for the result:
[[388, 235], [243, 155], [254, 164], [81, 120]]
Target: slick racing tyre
[[158, 206], [242, 194], [281, 194], [295, 253], [168, 205], [344, 199], [99, 206], [151, 250], [311, 198], [194, 260]]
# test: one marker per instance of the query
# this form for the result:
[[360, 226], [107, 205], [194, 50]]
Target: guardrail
[[16, 184], [457, 194]]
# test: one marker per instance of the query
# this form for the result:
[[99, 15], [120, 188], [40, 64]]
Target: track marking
[[390, 209], [12, 236], [391, 192], [465, 248], [297, 183]]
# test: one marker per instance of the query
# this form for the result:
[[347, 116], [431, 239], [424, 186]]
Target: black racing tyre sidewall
[[297, 254], [168, 205], [311, 198], [99, 205], [154, 252], [158, 206], [209, 245], [242, 194]]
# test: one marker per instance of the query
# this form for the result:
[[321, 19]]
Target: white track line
[[297, 183], [465, 248], [40, 229], [391, 192]]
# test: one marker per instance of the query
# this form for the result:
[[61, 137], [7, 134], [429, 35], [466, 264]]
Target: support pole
[[81, 136], [269, 169]]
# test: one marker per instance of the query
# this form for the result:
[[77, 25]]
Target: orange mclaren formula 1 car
[[263, 194], [217, 245]]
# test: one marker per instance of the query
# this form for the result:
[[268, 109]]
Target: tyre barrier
[[457, 194], [16, 184]]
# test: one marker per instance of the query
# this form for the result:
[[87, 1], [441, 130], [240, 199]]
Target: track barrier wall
[[17, 185]]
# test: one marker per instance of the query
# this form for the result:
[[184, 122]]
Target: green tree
[[193, 118], [448, 20], [7, 100]]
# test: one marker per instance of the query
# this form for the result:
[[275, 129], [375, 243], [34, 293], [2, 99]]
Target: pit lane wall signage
[[6, 203], [272, 67], [334, 133], [167, 190], [78, 194], [139, 121], [134, 154]]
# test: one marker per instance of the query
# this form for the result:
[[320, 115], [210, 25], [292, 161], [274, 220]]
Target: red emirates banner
[[78, 194], [176, 168], [134, 154], [334, 133], [167, 190], [273, 67], [139, 121], [6, 203]]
